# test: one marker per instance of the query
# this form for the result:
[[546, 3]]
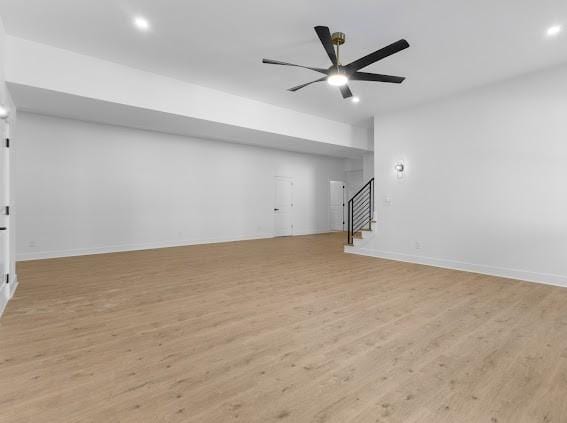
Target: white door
[[283, 206], [337, 205]]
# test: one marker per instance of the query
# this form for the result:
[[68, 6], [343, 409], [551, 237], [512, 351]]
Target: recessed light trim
[[554, 31], [141, 23], [4, 112]]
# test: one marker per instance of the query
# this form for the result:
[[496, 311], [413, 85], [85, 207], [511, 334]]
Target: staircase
[[360, 217]]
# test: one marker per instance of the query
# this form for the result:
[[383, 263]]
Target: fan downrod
[[338, 38]]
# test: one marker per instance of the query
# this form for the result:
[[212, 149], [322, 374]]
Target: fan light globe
[[337, 79]]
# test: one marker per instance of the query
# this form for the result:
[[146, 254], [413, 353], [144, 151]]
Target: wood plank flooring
[[278, 330]]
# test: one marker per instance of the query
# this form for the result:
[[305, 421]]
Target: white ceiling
[[455, 44]]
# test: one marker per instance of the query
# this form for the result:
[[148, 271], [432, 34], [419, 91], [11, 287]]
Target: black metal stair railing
[[360, 211]]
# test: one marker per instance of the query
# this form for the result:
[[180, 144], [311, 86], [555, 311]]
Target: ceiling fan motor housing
[[338, 38]]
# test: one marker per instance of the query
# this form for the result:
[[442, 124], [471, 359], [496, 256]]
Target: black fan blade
[[365, 76], [325, 36], [304, 85], [345, 91], [377, 55], [277, 62]]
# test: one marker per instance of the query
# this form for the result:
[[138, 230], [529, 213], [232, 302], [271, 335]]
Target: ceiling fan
[[339, 75]]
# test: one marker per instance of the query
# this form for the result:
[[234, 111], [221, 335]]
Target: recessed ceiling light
[[141, 23], [355, 99], [554, 30], [4, 112]]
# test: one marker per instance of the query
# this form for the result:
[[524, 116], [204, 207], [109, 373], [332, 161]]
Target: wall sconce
[[4, 112]]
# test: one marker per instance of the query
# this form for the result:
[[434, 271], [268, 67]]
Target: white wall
[[4, 294], [85, 187], [354, 175], [367, 167], [32, 64], [7, 256], [486, 182], [359, 171], [2, 63]]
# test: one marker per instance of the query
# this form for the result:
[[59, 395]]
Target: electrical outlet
[[32, 244], [417, 245]]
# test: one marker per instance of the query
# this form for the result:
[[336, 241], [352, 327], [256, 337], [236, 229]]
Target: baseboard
[[42, 255], [317, 232], [3, 302], [13, 286], [522, 275], [7, 293], [132, 247]]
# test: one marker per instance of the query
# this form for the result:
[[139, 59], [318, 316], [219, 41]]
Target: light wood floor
[[282, 330]]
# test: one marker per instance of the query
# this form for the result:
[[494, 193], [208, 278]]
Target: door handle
[[276, 209]]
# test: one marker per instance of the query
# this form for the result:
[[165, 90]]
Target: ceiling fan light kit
[[338, 75], [337, 79]]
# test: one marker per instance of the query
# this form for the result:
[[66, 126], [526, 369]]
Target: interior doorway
[[337, 197], [4, 200], [7, 280], [283, 206]]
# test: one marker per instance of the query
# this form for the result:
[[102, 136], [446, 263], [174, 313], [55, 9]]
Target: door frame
[[291, 214], [345, 199], [8, 281]]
